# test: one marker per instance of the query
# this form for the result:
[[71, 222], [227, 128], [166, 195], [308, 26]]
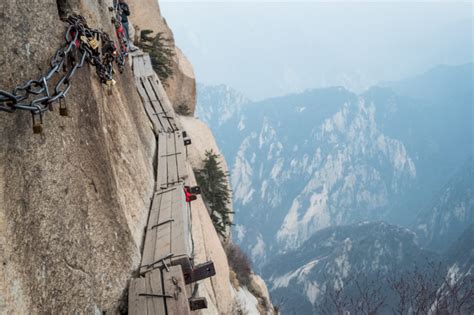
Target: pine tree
[[160, 51], [213, 182]]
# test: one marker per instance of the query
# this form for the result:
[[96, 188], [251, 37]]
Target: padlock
[[63, 108], [94, 43], [110, 82], [63, 111], [37, 128]]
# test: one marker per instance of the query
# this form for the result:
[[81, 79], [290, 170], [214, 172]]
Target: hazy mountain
[[307, 162], [334, 257], [216, 104], [451, 213], [460, 255]]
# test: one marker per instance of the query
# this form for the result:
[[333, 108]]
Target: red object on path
[[189, 196]]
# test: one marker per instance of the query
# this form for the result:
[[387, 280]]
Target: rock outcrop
[[74, 200], [181, 87]]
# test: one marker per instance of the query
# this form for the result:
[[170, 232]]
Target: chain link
[[82, 44], [122, 37]]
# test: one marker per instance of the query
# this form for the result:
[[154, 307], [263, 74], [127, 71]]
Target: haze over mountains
[[312, 168], [273, 48]]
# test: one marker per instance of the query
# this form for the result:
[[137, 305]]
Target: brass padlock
[[110, 82], [94, 43]]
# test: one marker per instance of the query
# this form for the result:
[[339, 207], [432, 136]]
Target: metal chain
[[122, 37], [82, 44]]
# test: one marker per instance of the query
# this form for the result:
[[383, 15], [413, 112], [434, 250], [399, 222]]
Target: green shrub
[[215, 191], [183, 110]]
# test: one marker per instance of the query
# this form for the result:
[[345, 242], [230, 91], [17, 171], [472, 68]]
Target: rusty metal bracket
[[156, 295], [161, 223], [197, 303], [200, 272]]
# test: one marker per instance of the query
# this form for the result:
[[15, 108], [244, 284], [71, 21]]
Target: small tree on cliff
[[213, 182], [160, 51]]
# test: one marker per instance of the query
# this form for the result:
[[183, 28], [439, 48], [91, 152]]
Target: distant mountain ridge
[[305, 163], [452, 211]]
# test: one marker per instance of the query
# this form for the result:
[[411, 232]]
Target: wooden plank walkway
[[158, 292], [166, 239], [154, 96], [171, 160], [168, 247]]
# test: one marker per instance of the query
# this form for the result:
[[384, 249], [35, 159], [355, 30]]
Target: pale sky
[[267, 48]]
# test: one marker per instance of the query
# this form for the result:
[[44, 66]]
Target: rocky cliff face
[[74, 200]]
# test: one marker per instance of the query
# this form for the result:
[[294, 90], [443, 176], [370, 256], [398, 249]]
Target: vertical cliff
[[74, 200]]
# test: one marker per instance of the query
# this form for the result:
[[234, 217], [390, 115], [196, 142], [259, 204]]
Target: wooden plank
[[154, 211], [167, 127], [181, 156], [133, 297], [147, 65], [157, 238], [181, 234], [163, 232], [160, 91], [135, 66], [151, 92], [148, 250], [155, 305], [138, 66], [150, 237], [136, 302], [165, 103], [168, 232], [174, 285], [162, 167], [148, 108], [150, 96], [171, 160], [155, 97], [180, 244]]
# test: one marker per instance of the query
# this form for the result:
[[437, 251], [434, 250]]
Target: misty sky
[[265, 49]]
